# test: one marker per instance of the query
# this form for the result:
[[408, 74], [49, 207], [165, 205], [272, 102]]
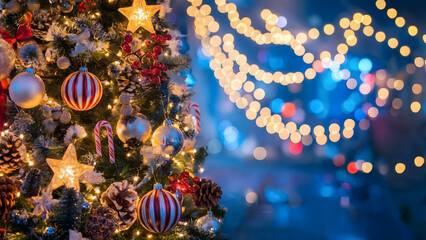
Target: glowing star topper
[[68, 170], [139, 15]]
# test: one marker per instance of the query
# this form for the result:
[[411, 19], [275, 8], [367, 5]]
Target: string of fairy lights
[[233, 82], [223, 56]]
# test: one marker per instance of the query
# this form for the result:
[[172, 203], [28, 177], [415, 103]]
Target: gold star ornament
[[68, 170], [139, 15]]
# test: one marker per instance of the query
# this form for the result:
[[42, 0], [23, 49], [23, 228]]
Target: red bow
[[23, 32]]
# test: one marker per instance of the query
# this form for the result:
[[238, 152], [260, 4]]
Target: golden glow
[[392, 13], [399, 168], [367, 167], [412, 30], [68, 170], [139, 15], [380, 36], [393, 42], [225, 56], [400, 21], [380, 4], [415, 107], [417, 88], [328, 29], [405, 51], [419, 161]]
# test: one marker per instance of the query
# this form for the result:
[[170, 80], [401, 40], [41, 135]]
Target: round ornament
[[49, 231], [169, 138], [13, 6], [63, 63], [209, 223], [159, 210], [133, 127], [7, 59], [86, 206], [81, 90], [27, 89], [33, 5], [66, 6]]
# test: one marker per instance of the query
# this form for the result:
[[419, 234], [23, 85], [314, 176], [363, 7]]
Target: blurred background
[[322, 134]]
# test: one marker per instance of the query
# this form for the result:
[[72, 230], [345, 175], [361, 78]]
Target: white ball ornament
[[27, 89], [7, 59]]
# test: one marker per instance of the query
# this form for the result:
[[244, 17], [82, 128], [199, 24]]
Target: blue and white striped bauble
[[81, 90], [159, 210]]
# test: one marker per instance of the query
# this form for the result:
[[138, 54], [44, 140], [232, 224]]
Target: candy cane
[[110, 140], [197, 115]]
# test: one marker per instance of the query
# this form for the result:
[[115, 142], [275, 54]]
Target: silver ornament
[[63, 63], [27, 89], [7, 59], [209, 223], [137, 127], [169, 138]]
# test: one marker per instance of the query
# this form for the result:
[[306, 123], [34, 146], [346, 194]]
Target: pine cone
[[102, 224], [121, 197], [208, 194], [32, 183], [10, 153], [8, 195]]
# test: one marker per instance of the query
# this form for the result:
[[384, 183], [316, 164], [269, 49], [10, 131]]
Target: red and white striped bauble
[[159, 210], [81, 90]]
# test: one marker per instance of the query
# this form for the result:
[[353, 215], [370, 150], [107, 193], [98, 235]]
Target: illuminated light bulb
[[201, 170], [109, 106], [31, 163], [135, 178], [128, 154]]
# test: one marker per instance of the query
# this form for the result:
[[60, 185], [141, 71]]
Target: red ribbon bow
[[23, 32]]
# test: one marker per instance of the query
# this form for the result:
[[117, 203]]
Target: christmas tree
[[98, 141]]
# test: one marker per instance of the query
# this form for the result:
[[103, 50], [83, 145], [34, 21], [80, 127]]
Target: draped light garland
[[223, 54]]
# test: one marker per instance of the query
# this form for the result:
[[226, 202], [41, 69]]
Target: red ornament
[[168, 37], [81, 90], [156, 80], [128, 38], [136, 65], [158, 50], [159, 210], [126, 47]]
